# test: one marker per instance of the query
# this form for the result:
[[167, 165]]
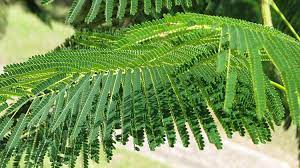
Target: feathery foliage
[[119, 8], [147, 82]]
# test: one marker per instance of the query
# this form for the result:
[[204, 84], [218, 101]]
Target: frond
[[118, 9], [93, 11], [75, 10], [148, 82]]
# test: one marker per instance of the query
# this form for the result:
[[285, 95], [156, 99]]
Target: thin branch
[[278, 86], [275, 7]]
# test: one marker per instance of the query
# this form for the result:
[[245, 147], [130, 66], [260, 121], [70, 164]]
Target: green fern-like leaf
[[122, 6], [93, 11], [147, 82], [75, 9], [122, 9]]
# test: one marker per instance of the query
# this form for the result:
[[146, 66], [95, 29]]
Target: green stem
[[278, 86], [266, 13], [275, 7]]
